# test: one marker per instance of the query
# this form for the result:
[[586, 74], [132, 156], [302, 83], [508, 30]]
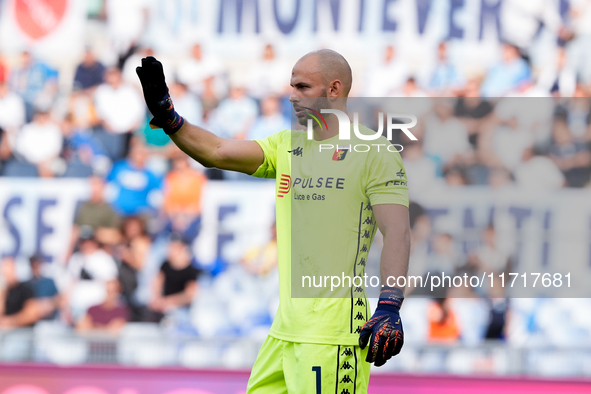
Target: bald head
[[332, 66]]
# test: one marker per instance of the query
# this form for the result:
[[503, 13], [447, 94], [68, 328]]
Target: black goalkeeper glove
[[384, 328], [157, 98]]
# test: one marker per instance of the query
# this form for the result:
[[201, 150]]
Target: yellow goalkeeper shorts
[[290, 367]]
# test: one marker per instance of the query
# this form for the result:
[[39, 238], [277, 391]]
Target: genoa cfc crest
[[340, 153]]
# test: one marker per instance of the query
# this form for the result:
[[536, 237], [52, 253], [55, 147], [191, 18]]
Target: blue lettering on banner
[[361, 14], [520, 214], [387, 23], [12, 229], [225, 5], [286, 27], [335, 8], [224, 237], [490, 9], [454, 30], [423, 8], [43, 229], [469, 225]]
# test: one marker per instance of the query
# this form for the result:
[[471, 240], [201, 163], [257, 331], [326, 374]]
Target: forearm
[[26, 317], [199, 143], [393, 222], [395, 255]]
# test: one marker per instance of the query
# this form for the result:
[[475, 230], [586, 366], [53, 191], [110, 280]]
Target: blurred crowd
[[129, 256]]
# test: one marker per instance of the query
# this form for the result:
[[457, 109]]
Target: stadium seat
[[144, 344], [16, 345], [200, 354], [67, 351]]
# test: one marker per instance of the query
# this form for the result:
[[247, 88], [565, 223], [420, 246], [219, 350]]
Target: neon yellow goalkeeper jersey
[[325, 227]]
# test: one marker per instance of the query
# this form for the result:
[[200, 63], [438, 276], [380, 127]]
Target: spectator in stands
[[35, 82], [3, 71], [132, 252], [97, 214], [235, 115], [183, 188], [262, 260], [558, 78], [499, 177], [445, 78], [18, 307], [46, 292], [5, 151], [455, 175], [89, 269], [83, 151], [270, 121], [410, 88], [572, 157], [40, 143], [175, 285], [489, 256], [498, 304], [580, 20], [504, 144], [444, 256], [506, 75], [475, 114], [89, 73], [443, 325], [446, 138], [120, 108], [187, 102], [126, 21], [419, 168], [386, 75], [199, 70], [134, 189], [267, 77], [537, 172], [111, 315], [128, 71], [12, 111]]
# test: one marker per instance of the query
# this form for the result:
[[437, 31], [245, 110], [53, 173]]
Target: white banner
[[36, 216], [48, 28]]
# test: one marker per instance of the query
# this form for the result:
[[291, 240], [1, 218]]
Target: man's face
[[308, 88], [8, 269]]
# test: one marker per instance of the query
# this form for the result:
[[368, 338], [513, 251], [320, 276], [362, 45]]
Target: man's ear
[[334, 89]]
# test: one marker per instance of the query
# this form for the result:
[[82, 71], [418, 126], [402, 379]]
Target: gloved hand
[[157, 98], [384, 328]]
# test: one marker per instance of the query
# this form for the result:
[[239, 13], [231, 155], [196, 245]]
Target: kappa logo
[[346, 379], [284, 185], [296, 152], [400, 174], [347, 352], [339, 154]]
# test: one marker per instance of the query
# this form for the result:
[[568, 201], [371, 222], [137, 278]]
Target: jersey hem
[[347, 340]]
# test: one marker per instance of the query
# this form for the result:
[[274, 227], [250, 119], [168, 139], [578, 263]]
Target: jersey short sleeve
[[386, 180], [269, 146]]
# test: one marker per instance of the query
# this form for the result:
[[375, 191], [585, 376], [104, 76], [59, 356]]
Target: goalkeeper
[[337, 199]]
